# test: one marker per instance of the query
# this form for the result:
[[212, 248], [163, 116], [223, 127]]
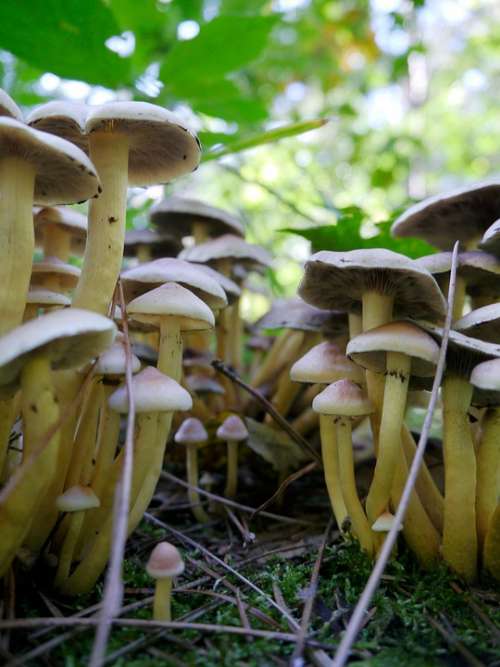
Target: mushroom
[[156, 398], [173, 309], [325, 364], [345, 400], [76, 501], [61, 339], [43, 299], [462, 215], [459, 547], [397, 350], [192, 435], [381, 284], [61, 231], [165, 562], [491, 551], [54, 274], [181, 217], [31, 164], [148, 244], [233, 431]]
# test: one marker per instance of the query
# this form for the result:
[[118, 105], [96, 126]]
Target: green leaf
[[66, 37], [346, 235], [224, 45], [238, 145]]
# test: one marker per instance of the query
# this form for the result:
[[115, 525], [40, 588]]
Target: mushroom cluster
[[353, 351]]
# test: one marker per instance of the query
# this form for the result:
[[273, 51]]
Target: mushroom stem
[[330, 456], [85, 439], [68, 547], [459, 546], [56, 242], [396, 388], [106, 228], [170, 349], [8, 409], [17, 185], [162, 600], [488, 471], [355, 325], [306, 422], [96, 554], [272, 359], [192, 478], [419, 532], [491, 552], [199, 232], [236, 327], [232, 469], [355, 512], [40, 412]]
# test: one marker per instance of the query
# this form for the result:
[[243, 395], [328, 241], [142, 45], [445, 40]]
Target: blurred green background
[[408, 86]]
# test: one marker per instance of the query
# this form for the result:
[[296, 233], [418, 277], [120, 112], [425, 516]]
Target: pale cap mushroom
[[343, 398], [165, 561], [177, 214], [232, 428], [323, 364], [153, 392], [191, 431], [77, 499]]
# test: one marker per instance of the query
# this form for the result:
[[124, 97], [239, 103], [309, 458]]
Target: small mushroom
[[165, 563], [233, 431], [192, 435]]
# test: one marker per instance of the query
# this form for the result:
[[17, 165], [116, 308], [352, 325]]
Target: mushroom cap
[[482, 323], [232, 428], [153, 392], [325, 363], [165, 561], [296, 314], [63, 119], [228, 246], [113, 361], [64, 174], [338, 280], [461, 215], [67, 218], [384, 523], [463, 352], [146, 353], [77, 499], [172, 300], [232, 290], [177, 214], [202, 384], [191, 431], [369, 349], [69, 338], [145, 277], [47, 298], [161, 147], [67, 274], [160, 245], [8, 107], [343, 399], [486, 375], [481, 272], [485, 378], [491, 239], [437, 264]]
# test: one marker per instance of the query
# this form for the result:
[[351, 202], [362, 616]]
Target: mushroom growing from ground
[[345, 400], [192, 435], [233, 431], [165, 563]]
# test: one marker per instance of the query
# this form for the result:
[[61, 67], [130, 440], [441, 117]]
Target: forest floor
[[416, 619]]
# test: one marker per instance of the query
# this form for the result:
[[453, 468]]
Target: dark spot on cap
[[33, 408], [99, 189], [112, 219], [184, 157]]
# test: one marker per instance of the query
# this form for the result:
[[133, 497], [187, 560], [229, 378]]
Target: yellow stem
[[106, 228], [68, 548], [330, 456], [17, 242], [488, 471], [459, 547], [360, 526], [231, 469], [56, 242], [491, 552], [389, 450], [192, 478], [162, 600], [170, 350]]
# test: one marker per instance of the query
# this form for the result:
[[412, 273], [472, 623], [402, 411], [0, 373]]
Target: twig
[[356, 621], [289, 480], [232, 503], [113, 588], [269, 408], [23, 623], [243, 614], [455, 644], [227, 567], [297, 659]]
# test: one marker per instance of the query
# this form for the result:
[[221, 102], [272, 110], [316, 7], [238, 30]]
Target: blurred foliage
[[409, 88]]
